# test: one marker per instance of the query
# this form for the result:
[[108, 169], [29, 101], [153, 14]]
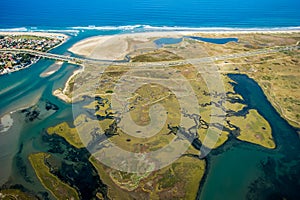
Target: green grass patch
[[58, 189], [155, 56]]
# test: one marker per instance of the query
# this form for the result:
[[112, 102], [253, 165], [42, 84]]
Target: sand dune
[[115, 47]]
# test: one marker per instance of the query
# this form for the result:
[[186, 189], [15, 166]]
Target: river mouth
[[236, 170], [240, 170]]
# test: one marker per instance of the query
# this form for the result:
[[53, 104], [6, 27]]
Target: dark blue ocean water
[[170, 13], [233, 166]]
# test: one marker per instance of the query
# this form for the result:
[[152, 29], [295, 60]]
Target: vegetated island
[[270, 58]]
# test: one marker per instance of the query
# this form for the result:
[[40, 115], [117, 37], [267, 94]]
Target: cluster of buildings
[[28, 42], [14, 61], [10, 62]]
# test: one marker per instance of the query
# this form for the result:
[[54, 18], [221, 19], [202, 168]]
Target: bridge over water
[[77, 60]]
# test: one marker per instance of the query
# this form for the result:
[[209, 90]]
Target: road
[[44, 55], [216, 58], [210, 59]]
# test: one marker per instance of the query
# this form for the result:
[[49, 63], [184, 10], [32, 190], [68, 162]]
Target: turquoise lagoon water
[[26, 88], [214, 40], [163, 41], [237, 170]]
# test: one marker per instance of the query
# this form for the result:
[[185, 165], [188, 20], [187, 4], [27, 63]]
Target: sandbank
[[116, 47], [52, 69], [5, 123], [62, 93]]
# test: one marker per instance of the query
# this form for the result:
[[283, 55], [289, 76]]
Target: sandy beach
[[5, 123], [116, 47], [52, 69], [61, 93]]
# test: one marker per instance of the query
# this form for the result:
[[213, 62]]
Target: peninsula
[[184, 77], [267, 57], [12, 58]]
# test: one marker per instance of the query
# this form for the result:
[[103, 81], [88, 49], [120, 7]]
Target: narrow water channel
[[240, 170]]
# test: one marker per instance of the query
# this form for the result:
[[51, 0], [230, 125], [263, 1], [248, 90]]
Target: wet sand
[[52, 69], [116, 47]]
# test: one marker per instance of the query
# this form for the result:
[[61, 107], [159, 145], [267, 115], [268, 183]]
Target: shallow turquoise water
[[239, 170], [28, 133], [235, 171], [214, 40]]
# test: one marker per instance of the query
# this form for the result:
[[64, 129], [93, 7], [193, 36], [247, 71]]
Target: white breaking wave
[[36, 29], [21, 29], [92, 27], [147, 27], [144, 28], [56, 31], [178, 28]]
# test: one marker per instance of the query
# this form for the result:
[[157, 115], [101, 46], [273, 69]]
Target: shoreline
[[64, 38], [60, 93], [41, 34], [124, 30], [38, 34], [146, 27], [52, 69], [109, 47], [129, 37], [19, 69], [65, 98], [277, 106], [160, 33]]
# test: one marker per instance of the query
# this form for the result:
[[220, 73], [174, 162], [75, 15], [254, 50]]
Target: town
[[14, 61]]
